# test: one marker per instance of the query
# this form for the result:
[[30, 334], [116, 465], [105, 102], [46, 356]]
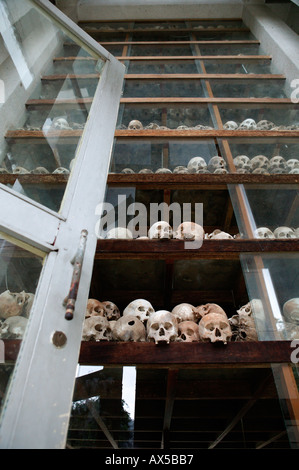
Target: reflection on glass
[[19, 275], [163, 88], [272, 285], [47, 101], [146, 156]]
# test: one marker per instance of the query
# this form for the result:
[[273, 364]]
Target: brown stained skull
[[184, 312], [96, 328], [94, 308], [188, 332], [243, 328], [203, 310], [11, 304], [214, 327], [291, 311], [112, 312], [129, 328]]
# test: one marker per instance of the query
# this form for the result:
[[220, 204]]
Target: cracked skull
[[129, 328], [162, 327], [11, 304], [96, 328], [94, 308], [111, 310]]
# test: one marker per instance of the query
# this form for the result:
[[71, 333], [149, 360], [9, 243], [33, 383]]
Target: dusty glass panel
[[264, 155], [248, 88], [19, 274], [161, 25], [272, 285], [273, 211], [43, 115], [243, 66], [253, 117], [168, 115], [228, 49], [216, 24], [152, 156], [160, 50], [161, 66], [163, 88]]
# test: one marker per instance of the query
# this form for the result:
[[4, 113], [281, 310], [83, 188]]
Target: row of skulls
[[248, 124], [15, 309], [40, 170], [139, 322]]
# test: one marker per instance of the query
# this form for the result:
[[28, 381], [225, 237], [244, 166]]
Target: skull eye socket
[[155, 326], [222, 326], [190, 332], [98, 327], [167, 325]]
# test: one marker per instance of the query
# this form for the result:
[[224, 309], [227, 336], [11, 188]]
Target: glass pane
[[248, 88], [160, 66], [19, 275], [47, 101], [161, 49], [272, 285], [152, 156], [239, 66], [163, 88]]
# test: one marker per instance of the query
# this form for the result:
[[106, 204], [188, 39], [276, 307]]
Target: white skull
[[263, 232], [61, 171], [13, 328], [135, 125], [40, 170], [290, 310], [260, 171], [284, 232], [119, 233], [127, 171], [243, 328], [61, 124], [145, 171], [214, 327], [139, 308], [163, 170], [111, 310], [219, 235], [181, 170], [206, 309], [12, 304], [230, 126], [129, 328], [189, 231], [216, 163], [245, 309], [20, 171], [277, 162], [247, 124], [294, 171], [260, 161], [184, 312], [96, 328], [162, 327], [3, 171], [220, 171], [188, 332], [265, 125], [255, 309], [94, 308], [196, 163], [292, 163], [160, 230]]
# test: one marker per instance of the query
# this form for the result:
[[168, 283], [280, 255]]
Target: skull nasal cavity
[[217, 332], [161, 332]]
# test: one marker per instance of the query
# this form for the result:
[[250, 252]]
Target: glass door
[[61, 93]]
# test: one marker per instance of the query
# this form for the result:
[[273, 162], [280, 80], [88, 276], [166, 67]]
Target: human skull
[[277, 163], [61, 123], [11, 304], [189, 231], [181, 170], [94, 308], [40, 170], [219, 235], [129, 328], [61, 171], [139, 308], [216, 163], [263, 232], [96, 328], [241, 161], [145, 171], [135, 125], [19, 170], [260, 171], [196, 163], [214, 327], [243, 328], [111, 310], [294, 171], [160, 230], [284, 232], [127, 171], [13, 327], [292, 163], [162, 327], [184, 312], [255, 309], [206, 309], [248, 125], [119, 233], [260, 161], [3, 171], [163, 170], [230, 126], [290, 310], [245, 309], [265, 125], [188, 332]]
